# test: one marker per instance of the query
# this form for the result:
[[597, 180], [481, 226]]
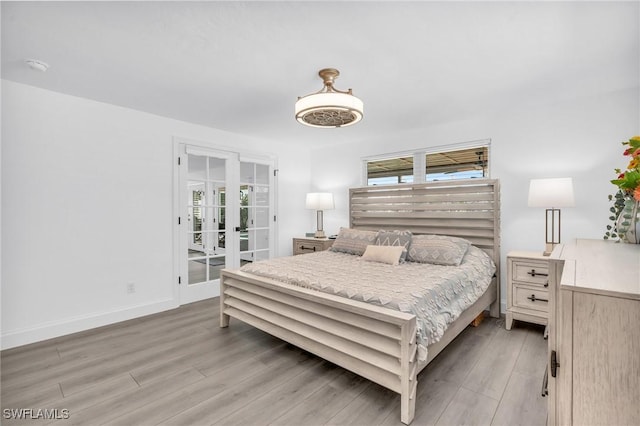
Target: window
[[386, 172], [461, 161], [462, 164]]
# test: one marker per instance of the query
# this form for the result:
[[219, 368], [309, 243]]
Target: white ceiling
[[240, 66]]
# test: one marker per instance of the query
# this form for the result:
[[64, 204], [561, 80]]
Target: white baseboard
[[12, 339]]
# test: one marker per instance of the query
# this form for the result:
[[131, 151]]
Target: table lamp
[[320, 201], [551, 194]]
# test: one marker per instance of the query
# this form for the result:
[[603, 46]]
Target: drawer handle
[[533, 273], [307, 248], [546, 284], [533, 298]]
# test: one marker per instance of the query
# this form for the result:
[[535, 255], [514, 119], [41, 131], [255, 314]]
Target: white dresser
[[594, 334]]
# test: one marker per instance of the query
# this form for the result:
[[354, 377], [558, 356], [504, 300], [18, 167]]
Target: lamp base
[[549, 249], [319, 234]]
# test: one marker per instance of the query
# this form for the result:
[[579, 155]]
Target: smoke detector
[[37, 65]]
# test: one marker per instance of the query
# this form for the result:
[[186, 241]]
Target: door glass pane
[[216, 169], [262, 255], [206, 218], [262, 217], [261, 239], [262, 195], [247, 172], [262, 174], [197, 167]]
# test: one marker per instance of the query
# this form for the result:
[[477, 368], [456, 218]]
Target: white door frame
[[232, 243]]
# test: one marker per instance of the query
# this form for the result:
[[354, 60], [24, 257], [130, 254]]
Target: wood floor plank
[[279, 400], [468, 408], [324, 404], [33, 397], [202, 352], [533, 356], [369, 407], [491, 372], [131, 400], [104, 368], [223, 404], [457, 360], [96, 394], [432, 400], [166, 406], [179, 367], [521, 406]]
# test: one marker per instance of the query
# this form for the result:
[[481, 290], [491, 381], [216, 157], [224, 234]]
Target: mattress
[[435, 294]]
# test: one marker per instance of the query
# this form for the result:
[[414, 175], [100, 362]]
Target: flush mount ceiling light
[[37, 65], [329, 107]]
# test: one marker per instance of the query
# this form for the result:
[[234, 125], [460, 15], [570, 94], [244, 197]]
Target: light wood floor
[[180, 368]]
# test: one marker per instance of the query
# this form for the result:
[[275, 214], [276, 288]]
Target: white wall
[[87, 207], [87, 194], [578, 138]]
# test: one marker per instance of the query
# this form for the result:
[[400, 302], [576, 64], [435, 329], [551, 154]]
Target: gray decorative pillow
[[395, 238], [438, 249], [353, 241]]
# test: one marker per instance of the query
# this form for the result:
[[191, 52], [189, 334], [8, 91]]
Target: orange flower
[[636, 194], [634, 163]]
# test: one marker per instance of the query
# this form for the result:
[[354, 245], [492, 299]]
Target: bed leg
[[409, 372], [224, 320], [494, 309], [407, 407]]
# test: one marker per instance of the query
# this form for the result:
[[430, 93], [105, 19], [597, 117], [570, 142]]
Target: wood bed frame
[[375, 342]]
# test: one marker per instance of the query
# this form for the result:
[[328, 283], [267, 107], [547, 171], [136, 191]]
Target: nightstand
[[310, 245], [527, 287]]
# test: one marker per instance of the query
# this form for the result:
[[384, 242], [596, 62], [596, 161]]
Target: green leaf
[[612, 218]]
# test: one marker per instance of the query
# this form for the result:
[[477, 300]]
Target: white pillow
[[384, 254]]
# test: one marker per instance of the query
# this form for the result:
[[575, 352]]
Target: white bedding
[[435, 294]]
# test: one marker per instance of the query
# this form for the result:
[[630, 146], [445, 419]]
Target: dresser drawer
[[309, 245], [530, 298], [531, 272]]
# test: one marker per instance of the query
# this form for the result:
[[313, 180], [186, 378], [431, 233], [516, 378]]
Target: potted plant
[[626, 199]]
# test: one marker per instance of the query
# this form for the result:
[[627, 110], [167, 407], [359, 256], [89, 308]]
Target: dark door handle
[[554, 364], [237, 229]]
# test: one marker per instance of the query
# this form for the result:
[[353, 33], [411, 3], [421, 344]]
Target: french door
[[226, 216]]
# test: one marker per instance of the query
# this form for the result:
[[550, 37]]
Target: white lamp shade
[[320, 201], [549, 193]]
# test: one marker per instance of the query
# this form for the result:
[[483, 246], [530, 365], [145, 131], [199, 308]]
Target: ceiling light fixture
[[37, 65], [329, 107]]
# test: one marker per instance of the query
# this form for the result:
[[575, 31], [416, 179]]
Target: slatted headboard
[[468, 209]]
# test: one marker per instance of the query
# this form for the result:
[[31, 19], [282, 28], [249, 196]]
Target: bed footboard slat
[[361, 352], [365, 369], [385, 329]]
